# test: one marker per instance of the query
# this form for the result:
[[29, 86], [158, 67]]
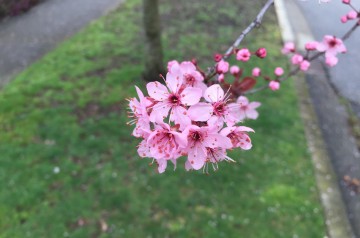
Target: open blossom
[[172, 98], [331, 46], [165, 142], [189, 75], [216, 111], [247, 109], [201, 138], [139, 114], [243, 55], [239, 136]]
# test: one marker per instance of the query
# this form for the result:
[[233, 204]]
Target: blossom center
[[174, 99], [332, 43], [195, 136], [189, 79], [219, 108]]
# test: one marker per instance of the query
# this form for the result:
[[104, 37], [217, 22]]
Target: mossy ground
[[68, 111]]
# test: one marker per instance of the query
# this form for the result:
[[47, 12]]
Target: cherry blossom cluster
[[330, 46], [185, 118]]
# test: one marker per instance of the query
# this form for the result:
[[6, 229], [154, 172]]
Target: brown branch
[[255, 23]]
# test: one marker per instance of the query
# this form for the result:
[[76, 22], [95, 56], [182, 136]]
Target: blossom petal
[[157, 91], [197, 156], [214, 93], [252, 114], [180, 116], [173, 81], [162, 164], [191, 96], [200, 112], [160, 112], [217, 140]]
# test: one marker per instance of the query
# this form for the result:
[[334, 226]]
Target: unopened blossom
[[222, 67], [243, 55], [221, 78], [247, 109], [216, 111], [289, 47], [304, 65], [201, 138], [256, 72], [261, 53], [274, 85], [331, 60], [346, 1], [278, 71], [344, 19], [235, 70], [171, 63], [217, 57], [352, 15], [311, 45], [297, 59], [331, 46], [239, 136]]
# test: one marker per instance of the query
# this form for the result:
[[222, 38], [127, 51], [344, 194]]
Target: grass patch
[[67, 112]]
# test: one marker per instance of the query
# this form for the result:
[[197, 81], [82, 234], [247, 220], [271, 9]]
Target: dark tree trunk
[[153, 47]]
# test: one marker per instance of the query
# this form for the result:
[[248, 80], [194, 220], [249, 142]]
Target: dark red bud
[[261, 53], [217, 57]]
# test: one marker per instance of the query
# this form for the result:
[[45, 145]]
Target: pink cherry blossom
[[243, 55], [304, 65], [247, 109], [256, 72], [297, 59], [217, 111], [235, 70], [201, 138], [190, 76], [222, 67], [278, 71], [221, 78], [261, 53], [352, 15], [331, 60], [346, 1], [331, 46], [166, 143], [289, 47], [239, 136], [344, 19], [312, 45], [139, 113], [172, 98], [274, 85]]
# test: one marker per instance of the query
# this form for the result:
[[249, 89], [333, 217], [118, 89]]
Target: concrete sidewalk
[[333, 147], [26, 38]]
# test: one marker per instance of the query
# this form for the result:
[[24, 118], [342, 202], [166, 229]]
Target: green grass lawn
[[68, 112]]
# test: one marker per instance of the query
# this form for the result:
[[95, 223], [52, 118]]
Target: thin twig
[[255, 23]]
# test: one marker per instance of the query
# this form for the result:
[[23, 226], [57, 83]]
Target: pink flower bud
[[331, 60], [352, 15], [221, 78], [256, 72], [344, 19], [304, 66], [222, 67], [312, 45], [289, 47], [274, 85], [261, 53], [278, 71], [235, 70], [346, 1], [217, 57], [194, 61], [243, 55], [171, 64], [297, 59]]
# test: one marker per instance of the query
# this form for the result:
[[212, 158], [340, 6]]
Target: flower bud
[[261, 53], [256, 72], [217, 57], [278, 71]]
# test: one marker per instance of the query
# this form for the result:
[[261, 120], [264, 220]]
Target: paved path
[[325, 19], [26, 38], [331, 115]]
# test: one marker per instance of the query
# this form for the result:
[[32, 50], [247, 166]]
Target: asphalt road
[[26, 38], [324, 19]]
